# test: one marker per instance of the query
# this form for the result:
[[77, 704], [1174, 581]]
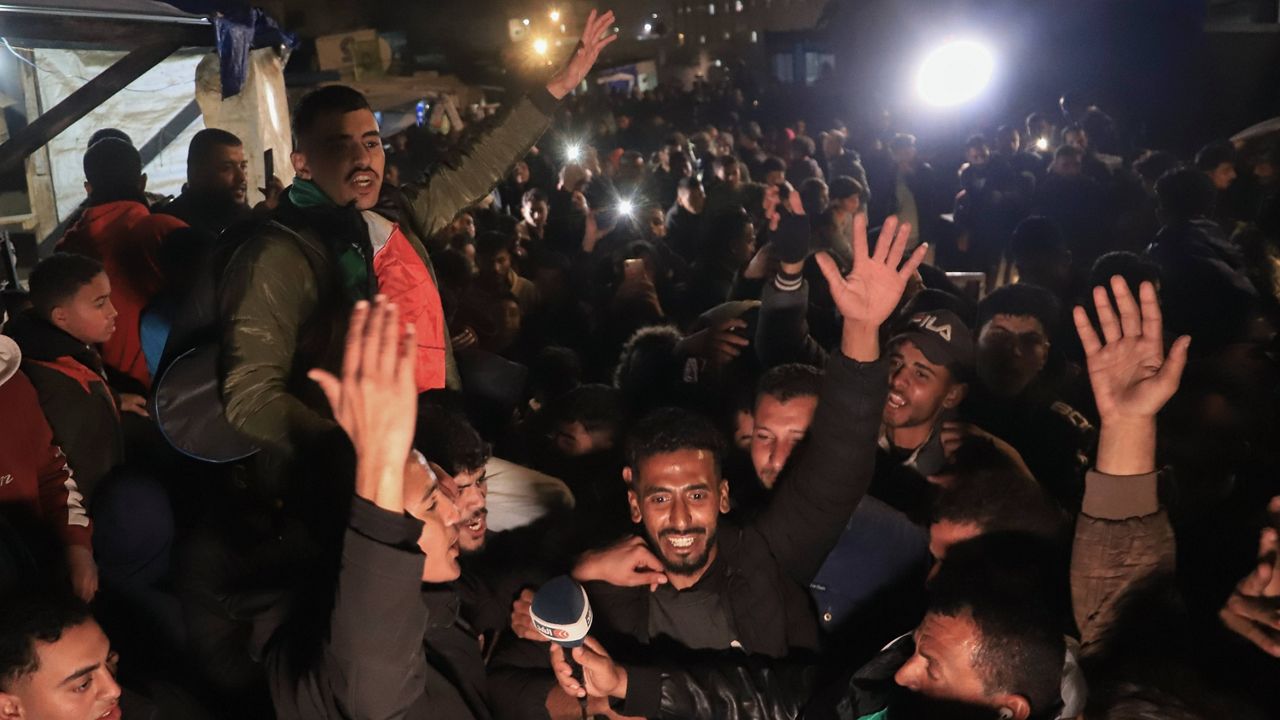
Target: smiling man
[[339, 236]]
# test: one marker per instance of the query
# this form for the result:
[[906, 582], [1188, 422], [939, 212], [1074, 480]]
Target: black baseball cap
[[942, 337]]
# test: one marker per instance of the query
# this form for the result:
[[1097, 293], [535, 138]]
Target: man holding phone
[[216, 195]]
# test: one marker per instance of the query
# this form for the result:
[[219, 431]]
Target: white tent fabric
[[258, 115], [141, 110]]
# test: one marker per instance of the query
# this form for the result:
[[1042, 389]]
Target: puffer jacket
[[285, 308]]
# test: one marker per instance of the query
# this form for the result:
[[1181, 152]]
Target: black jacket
[[768, 562], [80, 406], [390, 649], [729, 687]]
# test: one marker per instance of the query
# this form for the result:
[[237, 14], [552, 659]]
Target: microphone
[[562, 614]]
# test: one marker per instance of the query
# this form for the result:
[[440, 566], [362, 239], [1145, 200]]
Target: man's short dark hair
[[533, 195], [324, 101], [789, 381], [811, 191], [724, 230], [803, 146], [598, 407], [1021, 299], [991, 491], [113, 166], [1012, 586], [58, 278], [649, 372], [1185, 194], [771, 164], [104, 133], [976, 142], [668, 430], [30, 617], [204, 143], [1135, 269], [489, 244], [1214, 154], [446, 438]]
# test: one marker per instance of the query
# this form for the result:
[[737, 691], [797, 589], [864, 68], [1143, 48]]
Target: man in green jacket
[[340, 236]]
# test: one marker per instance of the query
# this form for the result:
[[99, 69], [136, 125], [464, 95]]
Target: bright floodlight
[[555, 16], [572, 152], [625, 208], [1042, 144], [954, 73], [540, 46]]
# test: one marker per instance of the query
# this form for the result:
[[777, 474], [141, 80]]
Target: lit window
[[737, 6], [702, 39], [727, 35], [711, 9], [680, 38], [755, 37]]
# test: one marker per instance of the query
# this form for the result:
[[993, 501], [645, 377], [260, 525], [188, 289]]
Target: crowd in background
[[825, 425]]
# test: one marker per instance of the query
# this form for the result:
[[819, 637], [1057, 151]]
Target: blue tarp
[[239, 28]]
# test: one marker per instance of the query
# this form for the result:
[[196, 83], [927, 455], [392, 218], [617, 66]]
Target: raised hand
[[376, 400], [872, 289], [602, 677], [596, 36], [1253, 609], [1131, 377], [629, 563]]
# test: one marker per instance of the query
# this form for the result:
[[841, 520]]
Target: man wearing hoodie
[[118, 229]]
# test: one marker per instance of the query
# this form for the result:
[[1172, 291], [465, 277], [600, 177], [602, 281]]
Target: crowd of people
[[823, 428]]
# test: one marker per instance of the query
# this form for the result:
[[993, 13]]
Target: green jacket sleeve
[[436, 200], [266, 293]]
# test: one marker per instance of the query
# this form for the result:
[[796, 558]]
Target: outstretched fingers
[[914, 262], [860, 250], [1106, 315], [884, 243], [1130, 318], [1152, 318], [1084, 328], [830, 270]]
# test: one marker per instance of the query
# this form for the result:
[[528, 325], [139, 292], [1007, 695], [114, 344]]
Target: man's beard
[[687, 566]]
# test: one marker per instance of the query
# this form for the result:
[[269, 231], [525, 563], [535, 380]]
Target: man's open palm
[[871, 291], [594, 40], [1130, 375]]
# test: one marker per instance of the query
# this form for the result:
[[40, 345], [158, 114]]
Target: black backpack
[[186, 394]]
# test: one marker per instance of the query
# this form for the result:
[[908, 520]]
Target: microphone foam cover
[[561, 611]]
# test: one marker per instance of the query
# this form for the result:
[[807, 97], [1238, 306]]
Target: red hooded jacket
[[125, 236]]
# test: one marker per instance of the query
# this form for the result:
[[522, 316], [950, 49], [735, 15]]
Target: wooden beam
[[82, 101]]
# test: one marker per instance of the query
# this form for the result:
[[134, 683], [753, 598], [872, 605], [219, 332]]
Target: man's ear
[[955, 396], [300, 168], [88, 189], [10, 708], [59, 317], [1013, 707], [633, 500], [142, 183], [724, 496]]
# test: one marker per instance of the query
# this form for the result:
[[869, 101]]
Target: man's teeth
[[681, 541], [364, 181], [896, 400], [474, 525]]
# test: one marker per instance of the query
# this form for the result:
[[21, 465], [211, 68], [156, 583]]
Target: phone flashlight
[[1042, 144]]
